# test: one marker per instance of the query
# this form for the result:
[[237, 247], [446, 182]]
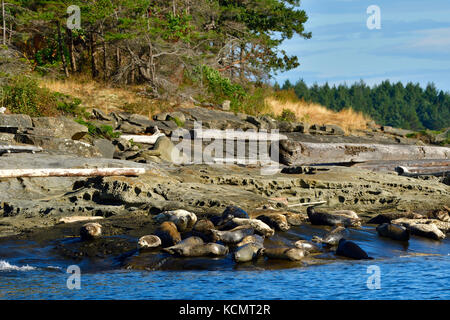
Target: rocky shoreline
[[52, 209]]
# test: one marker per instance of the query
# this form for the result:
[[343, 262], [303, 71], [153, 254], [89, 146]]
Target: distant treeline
[[392, 104]]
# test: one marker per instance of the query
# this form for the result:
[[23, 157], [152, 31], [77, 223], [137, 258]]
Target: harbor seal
[[332, 238], [307, 246], [233, 236], [275, 221], [168, 234], [202, 229], [149, 242], [251, 239], [234, 212], [351, 250], [394, 231], [292, 254], [203, 250], [333, 218], [184, 246], [248, 252], [90, 231], [184, 220], [260, 227]]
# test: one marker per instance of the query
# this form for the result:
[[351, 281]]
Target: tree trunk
[[61, 50], [105, 70], [241, 69], [92, 53], [4, 22], [118, 59], [73, 63]]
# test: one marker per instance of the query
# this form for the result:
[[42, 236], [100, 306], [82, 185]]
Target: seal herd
[[181, 233]]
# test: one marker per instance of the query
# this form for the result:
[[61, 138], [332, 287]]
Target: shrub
[[288, 115], [102, 131], [22, 94]]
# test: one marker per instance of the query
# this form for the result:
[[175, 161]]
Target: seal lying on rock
[[248, 252], [422, 228], [197, 249], [275, 221], [251, 239], [393, 231], [234, 212], [168, 234], [202, 229], [183, 219], [233, 236], [333, 218], [293, 254], [307, 246], [90, 231], [149, 242], [351, 250], [184, 245], [332, 238], [259, 226], [388, 217]]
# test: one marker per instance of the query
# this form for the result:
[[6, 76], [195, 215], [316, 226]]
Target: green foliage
[[221, 87], [102, 131], [22, 94], [393, 104], [178, 122], [287, 115]]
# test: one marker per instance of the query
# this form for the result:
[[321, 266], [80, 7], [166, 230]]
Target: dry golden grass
[[95, 94], [312, 113]]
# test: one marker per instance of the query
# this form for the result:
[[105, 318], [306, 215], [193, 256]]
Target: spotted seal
[[183, 219], [260, 227], [292, 254], [333, 218], [351, 250], [183, 246], [307, 246], [248, 252], [332, 238], [233, 236], [275, 221], [168, 234], [149, 242], [394, 231], [91, 231]]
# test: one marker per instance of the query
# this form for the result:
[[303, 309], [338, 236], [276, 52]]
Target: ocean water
[[418, 270]]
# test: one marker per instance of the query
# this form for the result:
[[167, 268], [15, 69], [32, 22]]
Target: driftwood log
[[300, 153], [99, 172]]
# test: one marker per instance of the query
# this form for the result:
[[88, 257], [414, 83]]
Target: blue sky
[[413, 43]]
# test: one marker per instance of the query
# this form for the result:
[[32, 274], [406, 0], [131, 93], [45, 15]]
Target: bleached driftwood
[[78, 219], [100, 172], [300, 153], [237, 135], [18, 149], [306, 204], [142, 139]]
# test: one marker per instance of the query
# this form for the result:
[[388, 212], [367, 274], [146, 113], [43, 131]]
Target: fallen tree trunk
[[143, 139], [236, 135], [18, 149], [97, 172], [412, 166], [300, 153]]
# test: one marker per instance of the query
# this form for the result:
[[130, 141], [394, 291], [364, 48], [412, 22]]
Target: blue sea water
[[404, 274]]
